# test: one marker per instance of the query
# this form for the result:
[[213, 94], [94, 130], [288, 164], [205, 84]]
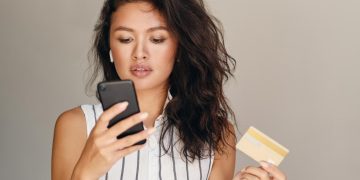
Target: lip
[[140, 70]]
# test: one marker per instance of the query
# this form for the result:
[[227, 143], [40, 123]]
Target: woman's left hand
[[266, 171]]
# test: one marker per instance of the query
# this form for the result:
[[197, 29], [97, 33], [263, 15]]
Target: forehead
[[138, 16]]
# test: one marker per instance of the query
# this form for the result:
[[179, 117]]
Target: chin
[[147, 84], [142, 84]]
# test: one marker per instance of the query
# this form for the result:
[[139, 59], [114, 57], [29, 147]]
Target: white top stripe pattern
[[146, 164]]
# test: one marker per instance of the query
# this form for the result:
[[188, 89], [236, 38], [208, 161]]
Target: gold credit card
[[260, 147]]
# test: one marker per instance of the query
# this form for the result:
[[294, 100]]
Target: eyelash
[[157, 40], [125, 41], [154, 40]]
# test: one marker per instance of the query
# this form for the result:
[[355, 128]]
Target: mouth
[[140, 70]]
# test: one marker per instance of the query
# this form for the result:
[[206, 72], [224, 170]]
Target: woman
[[175, 55]]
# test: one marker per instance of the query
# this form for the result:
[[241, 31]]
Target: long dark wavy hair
[[198, 110]]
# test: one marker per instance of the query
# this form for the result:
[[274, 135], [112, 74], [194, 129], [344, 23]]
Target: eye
[[157, 40], [125, 40]]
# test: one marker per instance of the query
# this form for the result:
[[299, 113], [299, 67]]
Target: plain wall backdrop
[[297, 79]]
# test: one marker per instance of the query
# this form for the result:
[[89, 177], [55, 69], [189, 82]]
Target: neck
[[152, 101]]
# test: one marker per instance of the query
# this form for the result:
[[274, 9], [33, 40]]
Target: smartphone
[[113, 92]]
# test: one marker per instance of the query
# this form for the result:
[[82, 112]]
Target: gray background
[[297, 79]]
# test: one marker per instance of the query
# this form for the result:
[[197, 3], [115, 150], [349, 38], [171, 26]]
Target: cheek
[[121, 57], [166, 67], [166, 60], [165, 55], [121, 61]]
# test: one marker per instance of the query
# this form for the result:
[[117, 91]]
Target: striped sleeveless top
[[151, 163]]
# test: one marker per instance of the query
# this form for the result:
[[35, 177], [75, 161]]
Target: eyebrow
[[122, 28]]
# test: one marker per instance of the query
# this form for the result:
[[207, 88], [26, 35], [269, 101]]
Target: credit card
[[261, 147]]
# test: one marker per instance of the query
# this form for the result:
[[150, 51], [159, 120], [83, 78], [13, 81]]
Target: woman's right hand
[[103, 149], [266, 171]]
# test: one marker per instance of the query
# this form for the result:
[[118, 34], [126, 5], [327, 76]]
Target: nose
[[140, 51]]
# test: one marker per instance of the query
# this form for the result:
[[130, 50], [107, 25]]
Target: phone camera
[[102, 87]]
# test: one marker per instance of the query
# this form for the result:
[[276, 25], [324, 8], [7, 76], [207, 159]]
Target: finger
[[131, 140], [124, 152], [125, 124], [247, 176], [262, 174], [273, 170], [110, 113]]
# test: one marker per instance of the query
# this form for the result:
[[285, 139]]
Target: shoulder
[[72, 118], [70, 125], [229, 143]]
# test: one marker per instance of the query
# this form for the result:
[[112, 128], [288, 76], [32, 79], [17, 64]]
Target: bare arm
[[68, 143], [77, 157], [224, 164]]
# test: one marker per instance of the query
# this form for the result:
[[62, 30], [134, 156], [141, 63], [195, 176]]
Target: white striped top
[[147, 164]]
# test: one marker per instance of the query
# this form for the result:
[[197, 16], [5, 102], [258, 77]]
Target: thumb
[[273, 170]]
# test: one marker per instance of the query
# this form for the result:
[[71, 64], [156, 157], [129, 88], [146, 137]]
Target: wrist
[[80, 174]]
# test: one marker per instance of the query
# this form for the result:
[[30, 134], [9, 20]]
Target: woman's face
[[142, 46]]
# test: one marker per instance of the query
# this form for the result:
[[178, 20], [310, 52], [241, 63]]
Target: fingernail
[[242, 170], [264, 164], [123, 104], [144, 115]]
